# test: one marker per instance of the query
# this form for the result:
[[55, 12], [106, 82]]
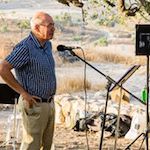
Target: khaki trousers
[[38, 125]]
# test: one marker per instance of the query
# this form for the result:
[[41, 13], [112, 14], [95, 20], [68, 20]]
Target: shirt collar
[[36, 42]]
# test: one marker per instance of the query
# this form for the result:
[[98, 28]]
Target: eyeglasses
[[48, 26]]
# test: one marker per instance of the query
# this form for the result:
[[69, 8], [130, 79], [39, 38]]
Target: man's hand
[[30, 99]]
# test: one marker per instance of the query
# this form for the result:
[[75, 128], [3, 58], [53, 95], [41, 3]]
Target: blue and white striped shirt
[[34, 66]]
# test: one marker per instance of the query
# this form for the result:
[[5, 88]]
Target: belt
[[44, 100]]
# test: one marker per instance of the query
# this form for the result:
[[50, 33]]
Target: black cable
[[83, 15], [85, 98]]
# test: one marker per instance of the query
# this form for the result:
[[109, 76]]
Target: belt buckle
[[39, 100]]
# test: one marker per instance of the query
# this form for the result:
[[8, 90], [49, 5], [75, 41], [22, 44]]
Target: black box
[[143, 39]]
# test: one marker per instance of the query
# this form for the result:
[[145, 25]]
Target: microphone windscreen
[[60, 47]]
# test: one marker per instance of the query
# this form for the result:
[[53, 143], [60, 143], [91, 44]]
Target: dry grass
[[100, 54], [8, 41], [71, 84], [5, 47], [67, 84], [97, 87]]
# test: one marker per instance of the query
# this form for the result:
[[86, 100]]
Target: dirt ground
[[73, 140], [66, 139]]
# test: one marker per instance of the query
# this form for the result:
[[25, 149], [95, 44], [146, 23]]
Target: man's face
[[46, 28]]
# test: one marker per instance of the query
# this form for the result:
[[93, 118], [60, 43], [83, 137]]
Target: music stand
[[125, 77], [9, 96]]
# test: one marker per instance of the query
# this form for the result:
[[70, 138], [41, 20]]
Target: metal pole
[[104, 120], [147, 104]]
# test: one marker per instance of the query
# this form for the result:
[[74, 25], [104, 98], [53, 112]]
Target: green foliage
[[24, 24], [94, 16], [121, 20], [13, 12], [105, 22], [4, 28], [101, 13], [77, 38], [95, 2], [119, 8], [147, 7], [102, 41], [64, 18]]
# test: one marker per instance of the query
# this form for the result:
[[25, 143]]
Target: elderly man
[[35, 81]]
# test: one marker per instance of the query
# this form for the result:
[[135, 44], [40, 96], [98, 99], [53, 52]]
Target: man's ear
[[36, 28]]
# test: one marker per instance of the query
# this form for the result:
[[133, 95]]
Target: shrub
[[4, 28], [102, 41], [64, 18], [77, 38], [24, 24]]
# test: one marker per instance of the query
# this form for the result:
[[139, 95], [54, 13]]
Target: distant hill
[[18, 9]]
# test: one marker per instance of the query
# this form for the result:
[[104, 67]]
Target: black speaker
[[143, 39], [7, 94]]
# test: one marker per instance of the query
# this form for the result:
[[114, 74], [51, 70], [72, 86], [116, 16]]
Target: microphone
[[62, 48]]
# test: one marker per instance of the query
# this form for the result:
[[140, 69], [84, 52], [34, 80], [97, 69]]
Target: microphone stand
[[110, 81]]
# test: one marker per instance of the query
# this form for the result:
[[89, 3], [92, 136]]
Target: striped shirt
[[34, 66]]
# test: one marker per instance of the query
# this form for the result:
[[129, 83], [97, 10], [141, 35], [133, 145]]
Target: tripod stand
[[147, 115], [110, 81], [9, 96]]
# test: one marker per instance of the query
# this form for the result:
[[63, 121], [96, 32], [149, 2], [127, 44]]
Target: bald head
[[42, 26], [39, 18]]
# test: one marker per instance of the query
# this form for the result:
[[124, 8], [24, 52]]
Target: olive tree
[[125, 7]]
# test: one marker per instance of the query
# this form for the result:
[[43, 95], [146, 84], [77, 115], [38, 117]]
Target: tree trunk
[[121, 6], [142, 2]]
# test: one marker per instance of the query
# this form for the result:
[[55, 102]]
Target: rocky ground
[[67, 139]]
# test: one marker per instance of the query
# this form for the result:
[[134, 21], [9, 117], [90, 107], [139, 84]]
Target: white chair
[[9, 96], [14, 120]]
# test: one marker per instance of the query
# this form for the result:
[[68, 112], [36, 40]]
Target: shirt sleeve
[[18, 57]]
